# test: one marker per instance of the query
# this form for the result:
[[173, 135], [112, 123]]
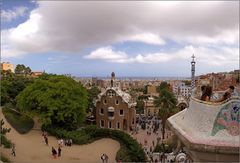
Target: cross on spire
[[193, 57]]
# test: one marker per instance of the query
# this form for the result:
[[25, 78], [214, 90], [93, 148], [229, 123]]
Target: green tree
[[163, 85], [92, 96], [166, 103], [145, 89], [21, 69], [56, 100], [187, 82], [11, 86], [140, 107]]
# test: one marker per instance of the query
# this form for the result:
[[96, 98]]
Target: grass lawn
[[21, 123]]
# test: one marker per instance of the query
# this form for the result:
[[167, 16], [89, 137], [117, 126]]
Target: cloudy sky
[[132, 38]]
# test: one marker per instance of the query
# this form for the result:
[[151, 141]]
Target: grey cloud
[[72, 26]]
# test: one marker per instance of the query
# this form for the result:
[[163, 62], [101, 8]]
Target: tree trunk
[[163, 128]]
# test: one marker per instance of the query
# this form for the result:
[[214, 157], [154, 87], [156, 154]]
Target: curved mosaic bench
[[209, 129]]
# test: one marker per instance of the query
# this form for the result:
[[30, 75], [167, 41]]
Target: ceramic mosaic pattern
[[228, 118]]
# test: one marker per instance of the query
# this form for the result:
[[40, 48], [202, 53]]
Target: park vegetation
[[166, 103], [130, 150], [61, 104], [4, 141], [21, 123], [55, 99]]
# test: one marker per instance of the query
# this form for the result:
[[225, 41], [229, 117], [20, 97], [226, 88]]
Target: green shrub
[[21, 123], [123, 154], [130, 150], [163, 148], [7, 143], [3, 158]]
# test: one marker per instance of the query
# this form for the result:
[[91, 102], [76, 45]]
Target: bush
[[130, 150], [163, 148], [3, 158], [7, 143], [21, 123], [123, 154]]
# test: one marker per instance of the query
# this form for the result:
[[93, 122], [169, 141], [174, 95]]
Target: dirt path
[[30, 147]]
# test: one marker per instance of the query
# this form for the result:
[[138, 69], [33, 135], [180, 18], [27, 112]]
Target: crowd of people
[[61, 143]]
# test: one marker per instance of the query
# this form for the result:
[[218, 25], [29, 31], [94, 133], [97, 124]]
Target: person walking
[[106, 158], [54, 152], [46, 140], [13, 150], [59, 151], [103, 158]]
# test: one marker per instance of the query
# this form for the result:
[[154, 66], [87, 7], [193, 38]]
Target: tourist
[[207, 92], [106, 158], [227, 94], [54, 152], [103, 158], [70, 142], [46, 140], [13, 150], [59, 151], [60, 143]]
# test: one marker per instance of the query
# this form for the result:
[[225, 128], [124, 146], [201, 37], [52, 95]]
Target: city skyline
[[139, 39]]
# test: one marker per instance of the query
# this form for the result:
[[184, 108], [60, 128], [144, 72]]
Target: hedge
[[20, 123], [3, 158], [130, 150], [7, 143]]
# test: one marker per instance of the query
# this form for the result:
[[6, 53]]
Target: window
[[111, 93], [121, 112], [117, 102], [101, 111], [105, 101], [111, 112], [109, 124], [101, 123], [118, 125]]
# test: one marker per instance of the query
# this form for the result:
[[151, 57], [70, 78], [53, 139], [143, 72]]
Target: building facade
[[7, 66], [182, 90], [149, 107], [115, 110]]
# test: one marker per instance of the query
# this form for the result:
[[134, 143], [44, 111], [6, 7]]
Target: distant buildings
[[7, 66], [152, 90], [180, 89], [149, 107], [36, 74], [115, 109], [218, 81]]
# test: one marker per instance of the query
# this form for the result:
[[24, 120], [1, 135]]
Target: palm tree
[[166, 103]]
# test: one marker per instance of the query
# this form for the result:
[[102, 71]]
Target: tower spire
[[112, 79], [193, 72]]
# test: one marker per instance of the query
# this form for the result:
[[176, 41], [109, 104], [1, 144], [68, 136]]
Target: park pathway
[[30, 147]]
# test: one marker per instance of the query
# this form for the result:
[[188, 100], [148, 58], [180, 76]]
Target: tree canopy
[[92, 96], [11, 86], [22, 70], [140, 107], [162, 86], [166, 103], [56, 100]]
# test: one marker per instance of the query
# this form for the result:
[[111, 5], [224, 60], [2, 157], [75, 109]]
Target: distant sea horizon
[[136, 77]]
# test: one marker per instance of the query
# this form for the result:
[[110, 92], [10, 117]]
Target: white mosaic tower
[[193, 72]]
